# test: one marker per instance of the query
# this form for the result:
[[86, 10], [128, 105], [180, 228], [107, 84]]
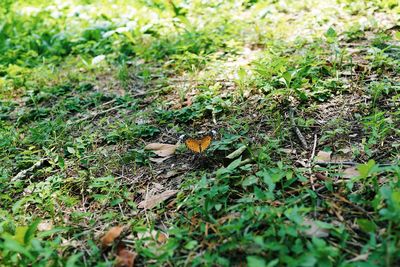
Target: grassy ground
[[304, 168]]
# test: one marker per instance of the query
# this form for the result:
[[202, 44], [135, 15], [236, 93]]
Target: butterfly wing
[[205, 142], [193, 145]]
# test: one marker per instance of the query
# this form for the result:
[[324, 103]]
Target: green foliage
[[22, 245], [85, 85]]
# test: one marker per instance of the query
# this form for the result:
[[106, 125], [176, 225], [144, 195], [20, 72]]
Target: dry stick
[[297, 131], [314, 147], [351, 163], [22, 174], [325, 163], [310, 161], [352, 204]]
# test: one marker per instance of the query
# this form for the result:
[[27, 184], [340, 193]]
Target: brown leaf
[[152, 201], [162, 150], [323, 156], [351, 172], [111, 235], [321, 176], [125, 258]]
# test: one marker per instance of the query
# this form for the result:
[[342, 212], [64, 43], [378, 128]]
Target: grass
[[304, 169]]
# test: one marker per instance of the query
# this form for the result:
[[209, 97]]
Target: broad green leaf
[[365, 169], [12, 245], [250, 180], [366, 225], [256, 261], [31, 231], [234, 164], [191, 245], [20, 233], [17, 205], [293, 215], [60, 162], [72, 260], [331, 33], [287, 76], [52, 232]]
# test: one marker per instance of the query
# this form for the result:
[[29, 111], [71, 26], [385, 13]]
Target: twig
[[22, 174], [314, 147], [297, 131], [327, 163], [352, 204], [351, 163], [310, 162]]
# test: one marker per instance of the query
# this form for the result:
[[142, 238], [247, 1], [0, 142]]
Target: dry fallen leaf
[[228, 217], [288, 151], [125, 258], [342, 155], [158, 236], [361, 257], [323, 156], [159, 160], [171, 173], [111, 235], [162, 150], [302, 163], [45, 226], [314, 230], [321, 176], [152, 201], [351, 172]]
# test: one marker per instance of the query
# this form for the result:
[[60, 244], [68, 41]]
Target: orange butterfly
[[199, 145]]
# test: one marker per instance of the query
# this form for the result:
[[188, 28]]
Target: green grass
[[86, 85]]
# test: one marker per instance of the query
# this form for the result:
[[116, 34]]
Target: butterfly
[[201, 144]]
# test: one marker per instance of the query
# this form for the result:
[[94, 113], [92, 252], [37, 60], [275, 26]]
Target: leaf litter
[[152, 201]]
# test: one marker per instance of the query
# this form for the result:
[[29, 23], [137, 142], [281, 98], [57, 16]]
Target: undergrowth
[[303, 96]]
